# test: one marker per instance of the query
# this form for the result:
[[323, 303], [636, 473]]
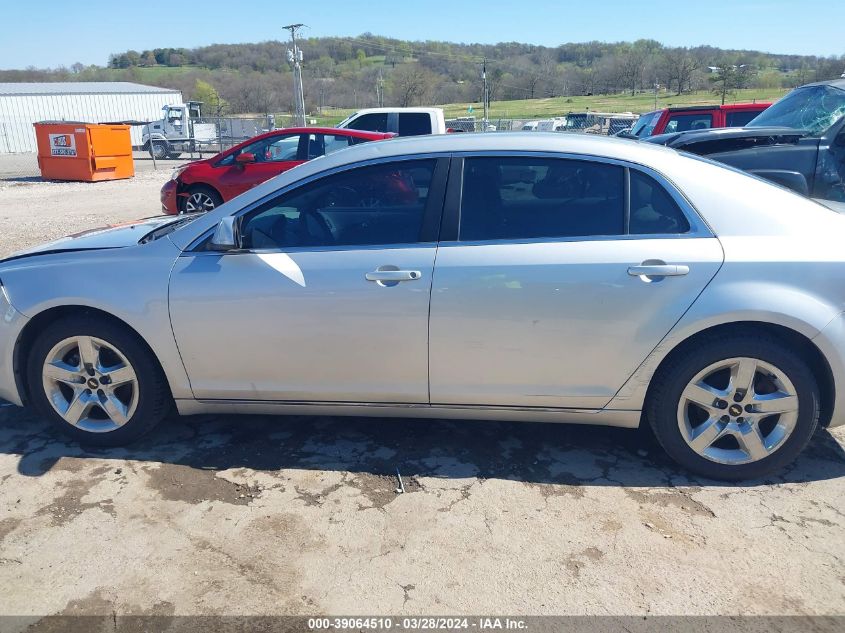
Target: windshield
[[645, 124], [813, 108]]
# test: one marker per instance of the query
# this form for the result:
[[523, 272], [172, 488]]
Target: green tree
[[205, 92]]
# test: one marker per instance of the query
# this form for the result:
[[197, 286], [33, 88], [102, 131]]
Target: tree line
[[370, 70]]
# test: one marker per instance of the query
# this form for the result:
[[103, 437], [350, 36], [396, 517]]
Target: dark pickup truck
[[799, 142]]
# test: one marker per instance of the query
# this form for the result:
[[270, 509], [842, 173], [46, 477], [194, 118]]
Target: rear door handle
[[658, 270], [393, 275]]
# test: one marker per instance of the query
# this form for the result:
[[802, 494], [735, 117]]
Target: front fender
[[130, 284]]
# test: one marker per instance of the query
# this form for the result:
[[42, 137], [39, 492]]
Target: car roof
[[702, 181], [727, 106], [557, 142], [396, 109], [836, 83]]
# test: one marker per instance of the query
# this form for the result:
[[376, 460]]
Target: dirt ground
[[239, 515]]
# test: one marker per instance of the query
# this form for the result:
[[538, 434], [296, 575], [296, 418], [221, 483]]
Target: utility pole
[[486, 95], [380, 90], [656, 88], [295, 60]]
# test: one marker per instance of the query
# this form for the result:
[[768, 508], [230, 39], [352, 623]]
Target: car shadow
[[537, 453]]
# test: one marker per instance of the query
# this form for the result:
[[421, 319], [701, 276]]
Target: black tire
[[159, 149], [674, 375], [215, 197], [154, 400]]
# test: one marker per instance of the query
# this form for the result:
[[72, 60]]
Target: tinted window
[[381, 204], [738, 119], [414, 124], [373, 122], [520, 198], [684, 122], [653, 210]]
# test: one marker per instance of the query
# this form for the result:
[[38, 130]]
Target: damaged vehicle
[[528, 277], [799, 143]]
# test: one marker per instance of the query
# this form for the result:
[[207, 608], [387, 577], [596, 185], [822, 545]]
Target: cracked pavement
[[293, 515]]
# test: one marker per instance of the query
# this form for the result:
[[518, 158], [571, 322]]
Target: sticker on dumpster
[[62, 145]]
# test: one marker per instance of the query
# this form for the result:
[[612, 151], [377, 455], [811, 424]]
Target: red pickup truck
[[681, 119]]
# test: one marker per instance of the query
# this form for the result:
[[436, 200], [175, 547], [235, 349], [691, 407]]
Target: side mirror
[[245, 158], [227, 235]]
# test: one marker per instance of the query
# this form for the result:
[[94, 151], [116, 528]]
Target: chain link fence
[[605, 124], [210, 135]]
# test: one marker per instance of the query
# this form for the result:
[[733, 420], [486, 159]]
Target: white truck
[[179, 130], [401, 121]]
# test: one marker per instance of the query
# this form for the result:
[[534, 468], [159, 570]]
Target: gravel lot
[[236, 515]]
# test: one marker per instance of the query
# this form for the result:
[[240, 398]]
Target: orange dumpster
[[84, 151]]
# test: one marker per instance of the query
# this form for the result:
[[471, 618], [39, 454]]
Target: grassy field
[[524, 108], [546, 108]]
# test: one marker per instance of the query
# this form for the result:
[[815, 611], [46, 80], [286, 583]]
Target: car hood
[[682, 139], [113, 236]]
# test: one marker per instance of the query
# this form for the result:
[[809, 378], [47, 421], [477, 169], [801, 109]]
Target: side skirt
[[604, 417]]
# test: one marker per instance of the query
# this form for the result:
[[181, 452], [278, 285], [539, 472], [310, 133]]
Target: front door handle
[[658, 270], [393, 275]]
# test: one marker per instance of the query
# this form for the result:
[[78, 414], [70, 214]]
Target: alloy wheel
[[198, 202], [90, 384], [737, 411]]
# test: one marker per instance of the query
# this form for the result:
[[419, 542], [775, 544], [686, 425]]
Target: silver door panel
[[304, 325], [555, 324]]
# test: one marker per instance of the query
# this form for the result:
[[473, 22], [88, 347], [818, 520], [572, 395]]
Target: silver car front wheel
[[90, 384], [96, 380]]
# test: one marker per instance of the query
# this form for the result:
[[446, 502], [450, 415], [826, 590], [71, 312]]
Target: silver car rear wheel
[[90, 383], [738, 411]]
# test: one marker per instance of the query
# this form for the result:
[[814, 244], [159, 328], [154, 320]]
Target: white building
[[22, 104]]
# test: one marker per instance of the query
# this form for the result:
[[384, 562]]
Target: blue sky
[[61, 32]]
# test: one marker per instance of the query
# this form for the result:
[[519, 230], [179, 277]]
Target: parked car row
[[799, 143]]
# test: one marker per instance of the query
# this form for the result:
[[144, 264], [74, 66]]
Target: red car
[[204, 184], [681, 119]]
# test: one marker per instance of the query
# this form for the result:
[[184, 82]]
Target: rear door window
[[523, 198], [414, 123]]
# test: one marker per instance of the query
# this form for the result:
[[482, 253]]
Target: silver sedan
[[555, 278]]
